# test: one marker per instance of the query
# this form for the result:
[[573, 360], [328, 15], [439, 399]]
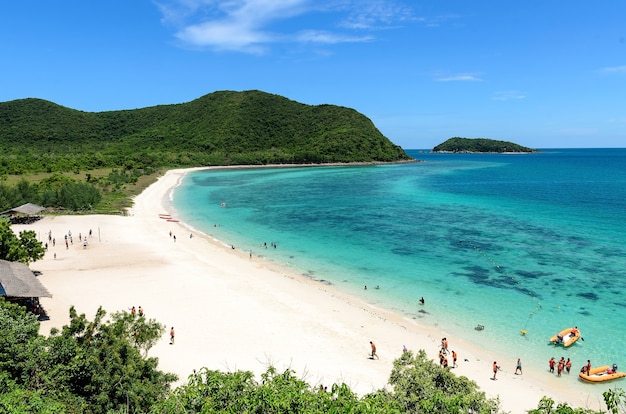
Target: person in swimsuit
[[373, 345]]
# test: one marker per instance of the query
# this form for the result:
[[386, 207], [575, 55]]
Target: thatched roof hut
[[28, 209], [18, 281]]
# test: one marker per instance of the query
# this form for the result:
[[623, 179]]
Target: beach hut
[[24, 214], [18, 284]]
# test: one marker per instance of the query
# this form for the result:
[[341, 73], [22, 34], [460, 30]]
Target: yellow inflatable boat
[[566, 337], [601, 374]]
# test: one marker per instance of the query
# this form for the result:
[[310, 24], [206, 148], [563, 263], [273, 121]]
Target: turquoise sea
[[533, 242]]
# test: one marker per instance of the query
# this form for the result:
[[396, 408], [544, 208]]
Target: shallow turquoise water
[[534, 242]]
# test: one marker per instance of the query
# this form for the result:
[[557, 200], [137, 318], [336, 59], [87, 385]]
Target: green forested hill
[[221, 128], [457, 144]]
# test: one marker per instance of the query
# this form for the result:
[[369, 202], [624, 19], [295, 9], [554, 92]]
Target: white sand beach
[[232, 312]]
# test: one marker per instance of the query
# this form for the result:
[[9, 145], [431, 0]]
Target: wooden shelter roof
[[28, 208], [17, 280]]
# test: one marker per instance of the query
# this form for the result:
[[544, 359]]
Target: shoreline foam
[[235, 313]]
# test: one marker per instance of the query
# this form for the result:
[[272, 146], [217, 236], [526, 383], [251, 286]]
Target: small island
[[481, 145]]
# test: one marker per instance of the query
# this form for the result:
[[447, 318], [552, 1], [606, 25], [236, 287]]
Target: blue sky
[[545, 74]]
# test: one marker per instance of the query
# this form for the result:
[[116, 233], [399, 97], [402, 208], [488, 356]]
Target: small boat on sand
[[566, 337], [601, 374]]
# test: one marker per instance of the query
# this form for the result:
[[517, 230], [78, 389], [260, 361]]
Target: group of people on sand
[[69, 240], [560, 366], [443, 355], [134, 311]]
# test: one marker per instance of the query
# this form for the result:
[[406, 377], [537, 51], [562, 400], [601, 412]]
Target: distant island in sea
[[481, 145]]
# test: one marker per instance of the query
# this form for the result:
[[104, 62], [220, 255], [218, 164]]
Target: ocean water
[[533, 242]]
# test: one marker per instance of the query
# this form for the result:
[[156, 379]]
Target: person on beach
[[559, 368], [495, 370], [172, 336], [454, 364], [133, 311], [588, 367], [568, 365], [140, 311], [373, 346], [518, 367], [551, 364]]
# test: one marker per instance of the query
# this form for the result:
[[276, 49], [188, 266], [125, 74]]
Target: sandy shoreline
[[232, 312]]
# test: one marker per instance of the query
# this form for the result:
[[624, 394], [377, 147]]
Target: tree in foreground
[[209, 391], [421, 386], [615, 401], [23, 248], [101, 366], [86, 367]]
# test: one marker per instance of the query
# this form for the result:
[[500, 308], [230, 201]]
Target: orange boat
[[566, 337], [601, 374]]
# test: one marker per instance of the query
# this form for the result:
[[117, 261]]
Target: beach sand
[[232, 312]]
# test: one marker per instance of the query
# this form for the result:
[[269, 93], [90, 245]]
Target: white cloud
[[614, 69], [376, 14], [459, 78], [315, 36], [252, 26], [508, 95], [225, 36]]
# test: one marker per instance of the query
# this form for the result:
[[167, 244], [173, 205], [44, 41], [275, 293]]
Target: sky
[[543, 74]]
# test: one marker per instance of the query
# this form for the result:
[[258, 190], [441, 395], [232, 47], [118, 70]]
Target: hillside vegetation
[[95, 162], [221, 128], [457, 144]]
